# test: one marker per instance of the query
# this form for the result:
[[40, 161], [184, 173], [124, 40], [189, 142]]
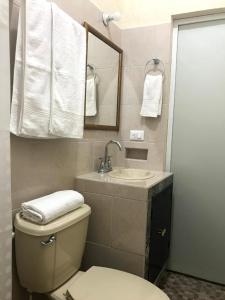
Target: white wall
[[148, 12], [5, 199]]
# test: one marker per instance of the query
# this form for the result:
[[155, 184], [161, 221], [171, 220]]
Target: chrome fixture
[[106, 17], [49, 241], [105, 163], [155, 64], [92, 69]]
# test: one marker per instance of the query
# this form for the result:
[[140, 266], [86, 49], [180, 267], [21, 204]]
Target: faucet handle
[[109, 163], [101, 165]]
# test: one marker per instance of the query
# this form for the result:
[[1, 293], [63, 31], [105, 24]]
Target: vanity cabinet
[[129, 227], [160, 231]]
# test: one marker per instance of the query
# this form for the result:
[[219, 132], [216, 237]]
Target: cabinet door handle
[[50, 241], [162, 232]]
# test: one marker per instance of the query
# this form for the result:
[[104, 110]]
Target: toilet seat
[[100, 283], [59, 294]]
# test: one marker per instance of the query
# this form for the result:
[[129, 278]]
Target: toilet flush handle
[[50, 241]]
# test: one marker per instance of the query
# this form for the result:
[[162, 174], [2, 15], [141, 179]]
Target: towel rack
[[154, 64]]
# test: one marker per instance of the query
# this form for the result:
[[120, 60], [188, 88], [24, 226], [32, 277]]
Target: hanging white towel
[[91, 97], [46, 102], [45, 209], [68, 76], [152, 96], [30, 108]]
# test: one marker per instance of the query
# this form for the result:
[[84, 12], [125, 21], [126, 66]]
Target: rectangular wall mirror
[[103, 81]]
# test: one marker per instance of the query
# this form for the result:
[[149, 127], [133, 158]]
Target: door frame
[[175, 31]]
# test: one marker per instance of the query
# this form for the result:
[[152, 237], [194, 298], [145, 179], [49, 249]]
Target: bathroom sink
[[131, 174]]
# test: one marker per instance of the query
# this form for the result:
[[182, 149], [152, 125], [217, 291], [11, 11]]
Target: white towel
[[152, 96], [45, 209], [30, 108], [68, 76], [91, 97], [48, 89]]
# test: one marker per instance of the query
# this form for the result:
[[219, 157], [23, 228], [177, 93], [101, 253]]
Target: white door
[[198, 151]]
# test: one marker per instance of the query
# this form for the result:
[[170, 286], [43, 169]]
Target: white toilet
[[48, 259]]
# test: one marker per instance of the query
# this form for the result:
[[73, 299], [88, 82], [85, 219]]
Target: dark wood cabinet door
[[160, 232]]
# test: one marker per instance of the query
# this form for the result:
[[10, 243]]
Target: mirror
[[103, 82]]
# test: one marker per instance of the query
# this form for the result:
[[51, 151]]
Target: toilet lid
[[102, 283]]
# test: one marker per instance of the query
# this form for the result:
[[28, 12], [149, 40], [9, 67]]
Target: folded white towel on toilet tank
[[45, 209]]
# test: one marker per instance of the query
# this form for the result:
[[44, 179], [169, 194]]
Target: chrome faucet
[[105, 163]]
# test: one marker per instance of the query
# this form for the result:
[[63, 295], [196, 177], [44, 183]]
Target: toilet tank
[[48, 255]]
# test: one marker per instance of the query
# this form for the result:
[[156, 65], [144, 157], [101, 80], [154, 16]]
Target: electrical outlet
[[137, 135]]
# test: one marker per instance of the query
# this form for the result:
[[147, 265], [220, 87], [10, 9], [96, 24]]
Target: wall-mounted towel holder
[[92, 69], [154, 65]]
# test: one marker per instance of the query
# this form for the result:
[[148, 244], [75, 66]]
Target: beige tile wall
[[96, 254], [140, 45], [149, 42], [5, 197], [117, 228], [43, 166], [116, 234]]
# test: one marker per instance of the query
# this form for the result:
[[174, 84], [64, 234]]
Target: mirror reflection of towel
[[91, 105], [152, 96]]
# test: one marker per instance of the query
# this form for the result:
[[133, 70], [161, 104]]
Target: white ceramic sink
[[131, 174]]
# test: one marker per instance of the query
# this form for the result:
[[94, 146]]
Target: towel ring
[[92, 69], [155, 64]]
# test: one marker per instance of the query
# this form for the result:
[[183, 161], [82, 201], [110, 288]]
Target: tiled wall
[[140, 45], [117, 228], [5, 198], [39, 167], [43, 166]]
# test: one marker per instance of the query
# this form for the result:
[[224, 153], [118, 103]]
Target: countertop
[[145, 184]]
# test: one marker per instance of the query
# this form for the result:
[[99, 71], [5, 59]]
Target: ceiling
[[146, 12]]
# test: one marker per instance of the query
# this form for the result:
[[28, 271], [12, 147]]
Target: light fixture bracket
[[108, 17]]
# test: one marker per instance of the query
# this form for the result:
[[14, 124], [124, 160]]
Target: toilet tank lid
[[54, 226]]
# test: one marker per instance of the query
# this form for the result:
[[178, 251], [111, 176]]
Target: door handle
[[162, 232]]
